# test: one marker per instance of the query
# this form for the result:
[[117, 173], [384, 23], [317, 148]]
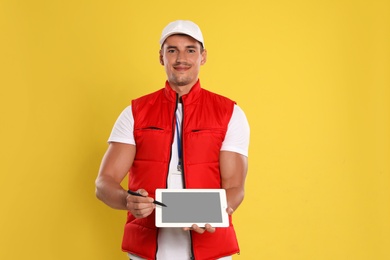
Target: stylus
[[139, 195]]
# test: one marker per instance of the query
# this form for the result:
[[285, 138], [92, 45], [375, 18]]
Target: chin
[[182, 82]]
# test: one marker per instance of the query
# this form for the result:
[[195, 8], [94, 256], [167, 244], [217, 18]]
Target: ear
[[161, 58], [204, 57]]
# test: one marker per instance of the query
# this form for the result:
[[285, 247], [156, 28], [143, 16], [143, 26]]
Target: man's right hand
[[140, 207]]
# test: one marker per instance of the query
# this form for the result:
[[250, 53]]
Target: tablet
[[186, 207]]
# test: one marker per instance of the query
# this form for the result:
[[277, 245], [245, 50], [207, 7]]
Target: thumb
[[229, 210], [143, 192]]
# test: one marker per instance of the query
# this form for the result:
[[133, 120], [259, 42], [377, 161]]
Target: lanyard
[[178, 145]]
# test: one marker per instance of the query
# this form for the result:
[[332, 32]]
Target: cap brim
[[162, 40]]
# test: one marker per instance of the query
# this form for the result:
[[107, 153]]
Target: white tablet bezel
[[222, 207]]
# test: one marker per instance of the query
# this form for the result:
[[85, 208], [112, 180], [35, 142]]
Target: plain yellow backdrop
[[312, 76]]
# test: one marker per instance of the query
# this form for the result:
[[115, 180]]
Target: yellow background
[[312, 76]]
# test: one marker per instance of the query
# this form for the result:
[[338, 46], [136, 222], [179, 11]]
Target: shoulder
[[217, 97], [224, 106], [148, 98], [239, 118], [239, 112]]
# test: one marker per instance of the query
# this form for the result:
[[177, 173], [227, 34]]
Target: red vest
[[205, 119]]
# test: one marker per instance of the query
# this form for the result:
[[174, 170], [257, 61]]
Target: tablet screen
[[191, 206]]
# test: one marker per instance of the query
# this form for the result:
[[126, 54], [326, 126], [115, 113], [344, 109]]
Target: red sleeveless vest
[[205, 119]]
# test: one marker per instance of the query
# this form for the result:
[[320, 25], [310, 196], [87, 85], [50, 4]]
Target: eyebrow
[[187, 47]]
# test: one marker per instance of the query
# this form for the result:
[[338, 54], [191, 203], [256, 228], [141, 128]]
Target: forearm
[[233, 173], [234, 196], [111, 193], [115, 165]]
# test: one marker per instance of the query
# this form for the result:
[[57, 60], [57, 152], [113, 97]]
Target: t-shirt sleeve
[[237, 135], [122, 132]]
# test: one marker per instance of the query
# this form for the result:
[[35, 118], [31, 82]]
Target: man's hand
[[140, 207], [200, 230]]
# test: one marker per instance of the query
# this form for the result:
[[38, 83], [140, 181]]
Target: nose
[[180, 57]]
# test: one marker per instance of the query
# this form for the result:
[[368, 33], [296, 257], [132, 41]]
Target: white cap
[[182, 27]]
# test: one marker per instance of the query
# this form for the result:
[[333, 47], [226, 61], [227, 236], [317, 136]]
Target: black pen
[[139, 195]]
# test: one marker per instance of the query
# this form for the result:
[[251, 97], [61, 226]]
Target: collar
[[190, 97]]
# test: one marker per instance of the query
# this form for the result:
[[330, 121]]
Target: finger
[[141, 213], [229, 211], [138, 199], [140, 205], [198, 229], [143, 192], [139, 202], [209, 228]]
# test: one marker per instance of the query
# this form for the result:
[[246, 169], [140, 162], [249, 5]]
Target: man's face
[[182, 57]]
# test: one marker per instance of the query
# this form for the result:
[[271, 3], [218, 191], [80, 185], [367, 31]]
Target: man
[[181, 136]]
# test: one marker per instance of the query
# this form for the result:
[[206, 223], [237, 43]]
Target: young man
[[180, 136]]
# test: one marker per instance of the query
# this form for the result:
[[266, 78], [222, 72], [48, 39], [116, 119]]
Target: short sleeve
[[122, 132], [237, 135]]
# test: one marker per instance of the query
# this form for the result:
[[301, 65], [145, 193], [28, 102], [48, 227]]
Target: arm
[[114, 167], [233, 167]]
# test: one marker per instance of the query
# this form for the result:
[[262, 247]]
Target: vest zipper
[[183, 167], [182, 144], [155, 255], [172, 139]]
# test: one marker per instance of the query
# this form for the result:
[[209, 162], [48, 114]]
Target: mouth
[[181, 68]]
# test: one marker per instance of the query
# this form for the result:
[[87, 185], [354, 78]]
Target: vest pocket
[[152, 143], [152, 128], [204, 145]]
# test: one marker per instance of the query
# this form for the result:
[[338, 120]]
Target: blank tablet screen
[[191, 207]]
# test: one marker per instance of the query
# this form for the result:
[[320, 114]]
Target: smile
[[181, 68]]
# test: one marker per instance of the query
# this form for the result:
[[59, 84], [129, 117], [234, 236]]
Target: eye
[[191, 51], [171, 51]]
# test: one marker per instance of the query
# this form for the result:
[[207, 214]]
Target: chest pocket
[[204, 145], [152, 143]]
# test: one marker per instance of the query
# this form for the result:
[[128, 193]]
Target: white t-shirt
[[174, 243]]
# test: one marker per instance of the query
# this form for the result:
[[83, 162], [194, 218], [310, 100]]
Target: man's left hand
[[201, 230]]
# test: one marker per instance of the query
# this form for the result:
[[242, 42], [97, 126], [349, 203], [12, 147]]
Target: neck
[[181, 90]]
